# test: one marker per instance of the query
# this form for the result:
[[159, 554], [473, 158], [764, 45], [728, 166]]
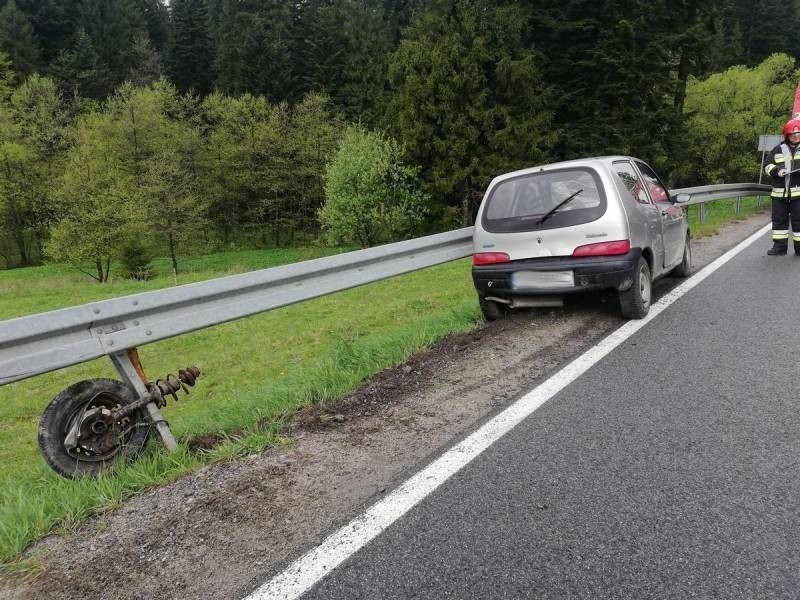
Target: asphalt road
[[668, 470]]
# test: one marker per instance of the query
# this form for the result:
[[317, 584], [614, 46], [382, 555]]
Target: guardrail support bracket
[[130, 369]]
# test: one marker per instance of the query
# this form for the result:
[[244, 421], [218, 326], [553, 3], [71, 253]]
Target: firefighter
[[784, 169]]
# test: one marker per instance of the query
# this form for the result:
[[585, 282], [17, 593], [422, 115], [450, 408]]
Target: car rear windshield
[[520, 203]]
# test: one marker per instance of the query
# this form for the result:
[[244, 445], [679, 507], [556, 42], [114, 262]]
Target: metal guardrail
[[705, 193], [48, 341], [53, 340]]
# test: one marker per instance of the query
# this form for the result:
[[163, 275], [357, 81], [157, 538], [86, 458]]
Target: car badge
[[538, 240]]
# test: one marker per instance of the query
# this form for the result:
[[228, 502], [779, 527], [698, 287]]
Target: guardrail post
[[130, 369], [738, 204], [702, 208]]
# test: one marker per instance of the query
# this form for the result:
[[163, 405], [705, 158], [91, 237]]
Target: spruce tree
[[18, 41], [767, 26], [343, 49], [156, 18], [191, 52], [113, 26], [80, 71], [468, 98], [253, 48], [54, 23]]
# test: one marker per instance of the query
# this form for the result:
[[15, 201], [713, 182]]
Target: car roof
[[593, 161]]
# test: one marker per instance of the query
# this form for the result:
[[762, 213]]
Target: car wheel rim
[[644, 286]]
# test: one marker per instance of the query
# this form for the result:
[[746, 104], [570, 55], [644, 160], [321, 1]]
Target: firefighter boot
[[779, 247]]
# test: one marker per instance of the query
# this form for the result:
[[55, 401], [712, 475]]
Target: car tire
[[492, 311], [635, 301], [685, 268], [68, 406]]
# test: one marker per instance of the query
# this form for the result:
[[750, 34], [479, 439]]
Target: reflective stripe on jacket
[[778, 159]]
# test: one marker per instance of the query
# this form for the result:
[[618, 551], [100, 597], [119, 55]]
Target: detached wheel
[[685, 268], [492, 311], [635, 301], [77, 435]]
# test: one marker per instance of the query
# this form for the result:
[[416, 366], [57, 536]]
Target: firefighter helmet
[[792, 126]]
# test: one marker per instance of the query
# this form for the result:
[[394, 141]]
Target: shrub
[[135, 261], [370, 196]]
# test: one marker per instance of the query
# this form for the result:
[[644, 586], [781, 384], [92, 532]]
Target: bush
[[135, 261], [370, 196]]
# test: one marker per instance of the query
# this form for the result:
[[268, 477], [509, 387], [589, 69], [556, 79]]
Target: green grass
[[719, 212], [255, 372], [39, 289]]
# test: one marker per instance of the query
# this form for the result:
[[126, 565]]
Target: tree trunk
[[680, 93], [173, 254]]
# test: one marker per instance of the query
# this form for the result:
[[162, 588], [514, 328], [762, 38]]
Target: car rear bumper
[[589, 273]]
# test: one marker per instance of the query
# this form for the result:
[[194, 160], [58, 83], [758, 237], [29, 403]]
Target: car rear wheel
[[635, 301], [685, 268], [492, 311]]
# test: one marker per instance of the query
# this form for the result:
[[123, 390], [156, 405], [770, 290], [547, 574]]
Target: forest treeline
[[132, 127]]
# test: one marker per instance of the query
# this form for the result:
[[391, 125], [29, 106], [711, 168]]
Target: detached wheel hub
[[98, 433]]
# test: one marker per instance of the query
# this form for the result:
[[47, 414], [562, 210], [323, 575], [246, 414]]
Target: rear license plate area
[[542, 279]]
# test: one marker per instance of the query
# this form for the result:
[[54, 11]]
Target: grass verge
[[255, 373], [719, 212]]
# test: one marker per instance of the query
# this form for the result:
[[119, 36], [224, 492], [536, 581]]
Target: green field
[[255, 372]]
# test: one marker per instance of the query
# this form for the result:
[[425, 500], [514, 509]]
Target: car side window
[[630, 181], [656, 190]]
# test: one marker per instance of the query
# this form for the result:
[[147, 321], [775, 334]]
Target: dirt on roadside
[[221, 532]]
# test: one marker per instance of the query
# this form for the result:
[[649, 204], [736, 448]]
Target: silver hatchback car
[[592, 224]]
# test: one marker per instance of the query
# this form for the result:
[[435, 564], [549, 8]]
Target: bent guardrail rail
[[53, 340]]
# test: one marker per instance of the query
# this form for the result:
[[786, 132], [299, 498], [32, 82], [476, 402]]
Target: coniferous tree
[[156, 18], [766, 26], [468, 102], [252, 48], [191, 51], [80, 71], [613, 74], [18, 41], [113, 26], [54, 23], [342, 49], [146, 62]]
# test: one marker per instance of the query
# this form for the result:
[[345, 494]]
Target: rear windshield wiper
[[553, 210]]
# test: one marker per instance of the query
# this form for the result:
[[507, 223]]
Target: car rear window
[[519, 203]]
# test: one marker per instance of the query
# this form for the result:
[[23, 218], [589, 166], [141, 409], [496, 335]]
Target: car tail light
[[490, 258], [603, 248]]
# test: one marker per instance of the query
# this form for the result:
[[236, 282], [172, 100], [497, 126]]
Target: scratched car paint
[[602, 223]]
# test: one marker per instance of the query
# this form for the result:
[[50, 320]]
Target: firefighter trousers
[[785, 211]]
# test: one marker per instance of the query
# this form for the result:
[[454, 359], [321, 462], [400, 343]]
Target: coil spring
[[171, 385]]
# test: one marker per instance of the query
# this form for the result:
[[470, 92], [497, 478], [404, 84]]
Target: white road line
[[310, 568]]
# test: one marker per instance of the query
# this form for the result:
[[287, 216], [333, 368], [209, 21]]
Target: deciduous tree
[[725, 114], [371, 197]]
